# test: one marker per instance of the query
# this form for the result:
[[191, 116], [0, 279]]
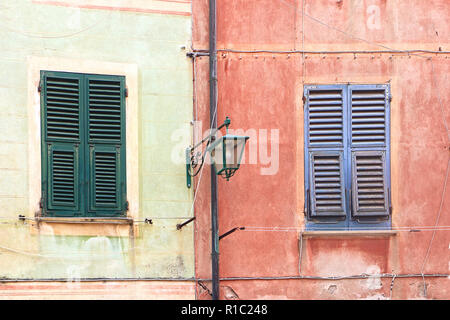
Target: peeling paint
[[374, 281], [378, 296]]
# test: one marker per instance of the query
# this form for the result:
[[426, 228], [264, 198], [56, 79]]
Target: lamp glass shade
[[226, 154]]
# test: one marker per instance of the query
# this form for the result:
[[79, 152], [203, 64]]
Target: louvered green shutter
[[106, 140], [370, 150], [83, 144], [324, 131], [61, 137]]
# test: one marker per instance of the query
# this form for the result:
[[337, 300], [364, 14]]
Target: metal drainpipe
[[213, 120]]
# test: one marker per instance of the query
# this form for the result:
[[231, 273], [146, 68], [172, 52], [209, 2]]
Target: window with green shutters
[[347, 155], [83, 144]]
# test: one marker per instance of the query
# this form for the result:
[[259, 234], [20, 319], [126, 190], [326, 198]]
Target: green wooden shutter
[[370, 150], [61, 137], [106, 140]]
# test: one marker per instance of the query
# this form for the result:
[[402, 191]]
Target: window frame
[[349, 221]]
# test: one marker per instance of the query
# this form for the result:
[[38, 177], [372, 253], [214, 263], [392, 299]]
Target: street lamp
[[226, 154]]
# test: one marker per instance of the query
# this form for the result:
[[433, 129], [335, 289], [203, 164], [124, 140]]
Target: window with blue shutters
[[347, 156], [83, 144]]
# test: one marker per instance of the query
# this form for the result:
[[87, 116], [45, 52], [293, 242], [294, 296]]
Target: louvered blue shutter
[[61, 138], [325, 117], [106, 140], [325, 144], [370, 150], [327, 183]]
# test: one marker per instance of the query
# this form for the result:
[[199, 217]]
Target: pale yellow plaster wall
[[149, 49]]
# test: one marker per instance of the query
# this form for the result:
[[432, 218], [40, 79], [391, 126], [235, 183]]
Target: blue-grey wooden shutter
[[327, 183], [325, 144], [370, 150], [61, 138], [106, 139], [325, 117]]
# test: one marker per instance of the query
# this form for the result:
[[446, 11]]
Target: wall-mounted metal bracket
[[181, 225], [148, 221], [196, 159], [197, 54], [188, 168], [230, 232], [204, 287]]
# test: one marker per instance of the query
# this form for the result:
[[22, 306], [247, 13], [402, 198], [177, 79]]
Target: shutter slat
[[313, 103], [337, 108], [324, 94]]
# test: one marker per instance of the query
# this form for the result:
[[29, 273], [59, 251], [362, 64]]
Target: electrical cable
[[350, 35], [196, 189], [336, 52], [393, 51], [433, 75], [391, 290], [358, 276], [303, 44], [41, 36], [194, 98], [412, 229], [330, 228], [252, 278]]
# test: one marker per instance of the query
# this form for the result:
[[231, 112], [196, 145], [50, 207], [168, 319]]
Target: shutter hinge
[[390, 97], [390, 203], [41, 203], [304, 100], [126, 92], [39, 86], [306, 212], [127, 205]]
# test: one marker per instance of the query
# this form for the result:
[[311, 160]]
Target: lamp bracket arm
[[210, 136], [230, 232], [181, 225]]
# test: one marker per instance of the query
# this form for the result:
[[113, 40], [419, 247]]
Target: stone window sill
[[86, 220], [81, 226], [349, 233]]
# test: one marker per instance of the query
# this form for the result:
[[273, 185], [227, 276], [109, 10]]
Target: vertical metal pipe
[[213, 120]]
